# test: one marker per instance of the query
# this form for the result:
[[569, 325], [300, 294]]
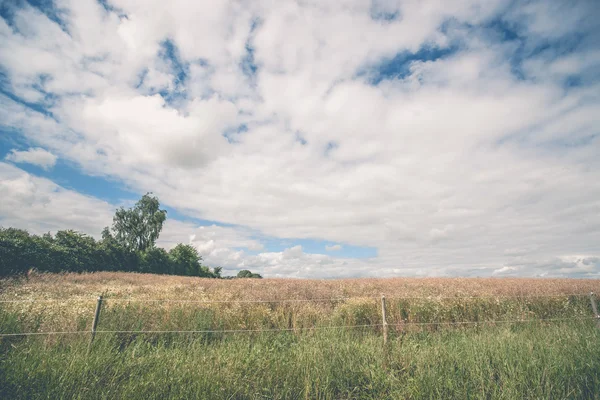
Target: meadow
[[449, 338]]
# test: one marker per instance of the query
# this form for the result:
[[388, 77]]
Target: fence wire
[[405, 324]]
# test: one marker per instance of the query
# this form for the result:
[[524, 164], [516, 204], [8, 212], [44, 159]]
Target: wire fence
[[489, 322], [384, 324]]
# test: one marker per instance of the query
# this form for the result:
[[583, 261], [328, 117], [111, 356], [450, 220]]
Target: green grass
[[527, 360], [125, 315], [532, 360]]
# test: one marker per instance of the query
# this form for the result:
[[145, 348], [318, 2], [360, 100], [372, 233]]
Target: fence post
[[96, 318], [595, 308], [385, 324]]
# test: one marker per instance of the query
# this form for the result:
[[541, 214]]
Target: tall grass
[[134, 285], [538, 361], [409, 300], [507, 360], [401, 314]]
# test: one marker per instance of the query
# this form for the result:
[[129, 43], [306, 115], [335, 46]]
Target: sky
[[313, 138]]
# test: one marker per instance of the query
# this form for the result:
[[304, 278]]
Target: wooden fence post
[[96, 318], [385, 324], [595, 308]]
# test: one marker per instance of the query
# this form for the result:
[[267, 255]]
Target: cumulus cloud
[[36, 156], [504, 271], [209, 238], [456, 139], [334, 247], [39, 205]]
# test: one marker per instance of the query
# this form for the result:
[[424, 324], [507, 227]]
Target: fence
[[384, 325]]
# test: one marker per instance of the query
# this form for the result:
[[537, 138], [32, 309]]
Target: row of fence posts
[[383, 316]]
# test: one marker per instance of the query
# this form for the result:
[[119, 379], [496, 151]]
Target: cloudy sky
[[313, 138]]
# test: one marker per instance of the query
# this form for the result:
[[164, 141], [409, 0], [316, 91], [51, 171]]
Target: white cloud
[[208, 238], [460, 165], [36, 156], [39, 205], [293, 253], [504, 270], [334, 247]]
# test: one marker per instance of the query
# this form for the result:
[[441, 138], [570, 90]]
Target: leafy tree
[[76, 251], [155, 260], [114, 256], [106, 235], [186, 261], [244, 274], [138, 228], [248, 274], [17, 252]]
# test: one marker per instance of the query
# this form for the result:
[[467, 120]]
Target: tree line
[[129, 246]]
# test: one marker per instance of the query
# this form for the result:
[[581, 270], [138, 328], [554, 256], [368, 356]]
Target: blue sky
[[361, 138], [69, 176]]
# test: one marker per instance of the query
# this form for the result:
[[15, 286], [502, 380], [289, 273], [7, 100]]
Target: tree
[[248, 274], [73, 251], [137, 228], [155, 260], [114, 256], [186, 261], [106, 235], [17, 252]]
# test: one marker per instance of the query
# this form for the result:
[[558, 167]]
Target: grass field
[[428, 354]]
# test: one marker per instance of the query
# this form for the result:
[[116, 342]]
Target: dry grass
[[438, 300], [523, 360], [148, 286]]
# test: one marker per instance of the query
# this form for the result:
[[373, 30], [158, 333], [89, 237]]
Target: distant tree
[[244, 274], [186, 261], [106, 235], [114, 256], [66, 251], [155, 260], [248, 274], [138, 228], [17, 252], [73, 251], [217, 272]]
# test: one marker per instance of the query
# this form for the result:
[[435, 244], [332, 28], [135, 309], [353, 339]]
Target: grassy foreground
[[538, 360]]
